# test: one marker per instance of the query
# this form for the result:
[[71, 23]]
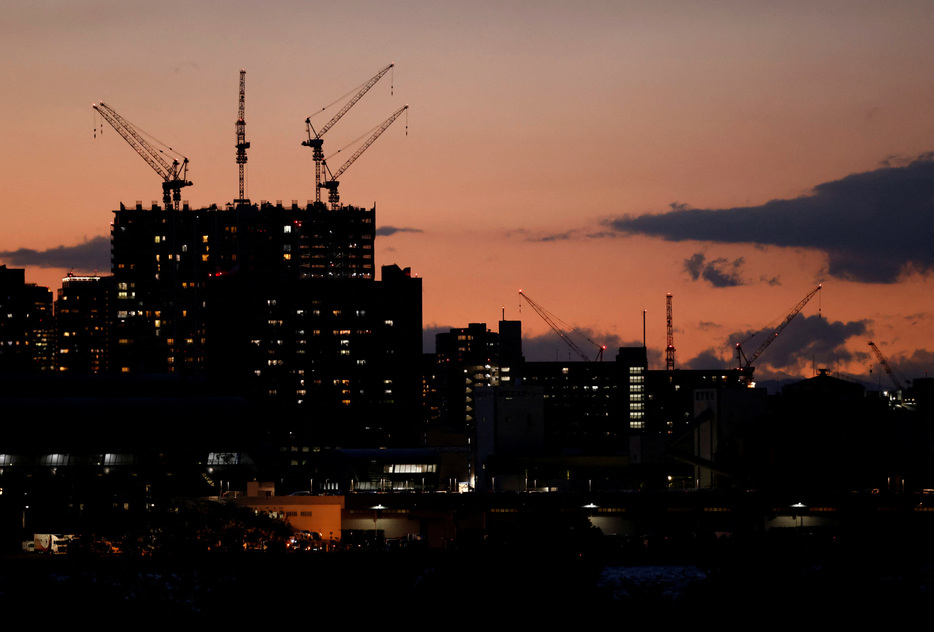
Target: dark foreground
[[793, 578]]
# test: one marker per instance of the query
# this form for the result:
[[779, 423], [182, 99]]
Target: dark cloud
[[806, 340], [919, 364], [385, 231], [873, 226], [718, 272], [428, 336], [93, 254], [705, 360], [549, 347]]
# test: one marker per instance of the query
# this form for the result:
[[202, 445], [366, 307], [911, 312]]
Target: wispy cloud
[[93, 254], [386, 231], [553, 236], [527, 235], [873, 226]]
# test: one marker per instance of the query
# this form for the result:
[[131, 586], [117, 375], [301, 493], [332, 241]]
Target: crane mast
[[174, 174], [332, 183], [670, 349], [550, 318], [885, 365], [314, 137], [772, 336], [242, 144]]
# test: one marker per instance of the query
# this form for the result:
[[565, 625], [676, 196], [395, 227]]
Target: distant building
[[592, 407], [466, 359], [26, 326], [510, 426], [346, 352], [83, 320]]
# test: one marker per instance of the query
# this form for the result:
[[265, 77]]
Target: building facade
[[279, 302], [83, 324], [26, 327]]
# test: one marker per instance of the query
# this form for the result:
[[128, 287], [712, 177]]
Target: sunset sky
[[597, 155]]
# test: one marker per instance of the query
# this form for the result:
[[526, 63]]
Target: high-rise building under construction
[[163, 261], [279, 299]]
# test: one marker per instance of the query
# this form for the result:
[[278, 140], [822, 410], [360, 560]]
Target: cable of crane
[[354, 90], [150, 137], [552, 320], [156, 140], [773, 324], [338, 100], [365, 134]]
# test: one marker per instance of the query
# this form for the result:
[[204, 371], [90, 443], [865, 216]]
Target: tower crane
[[174, 174], [670, 349], [888, 368], [332, 183], [242, 144], [550, 318], [314, 136], [740, 356]]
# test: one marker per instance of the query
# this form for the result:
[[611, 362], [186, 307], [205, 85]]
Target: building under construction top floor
[[163, 258]]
